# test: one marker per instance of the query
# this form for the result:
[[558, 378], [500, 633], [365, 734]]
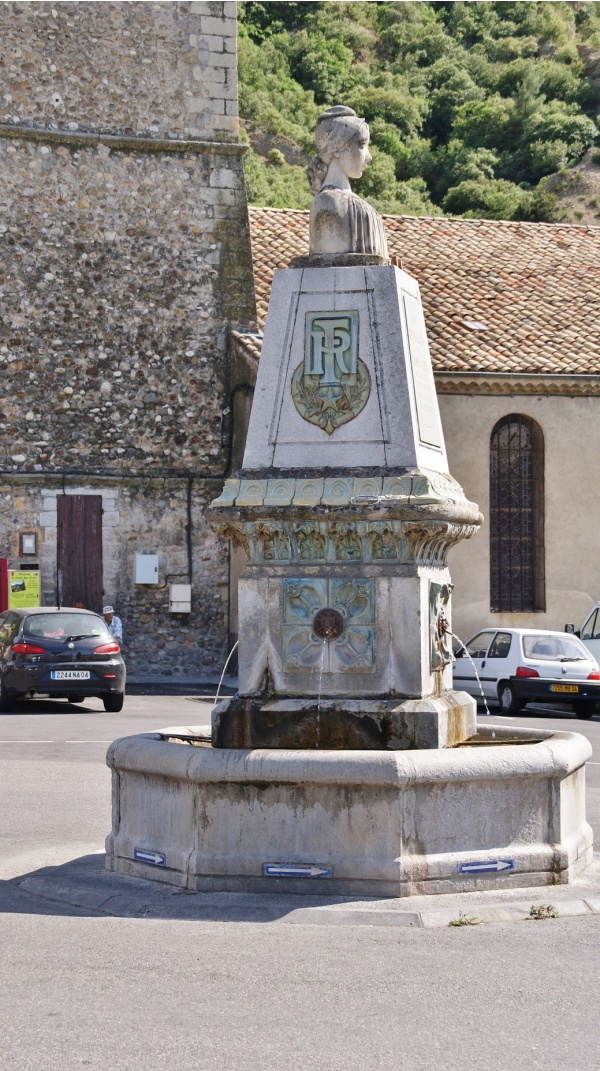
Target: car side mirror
[[570, 629], [460, 652]]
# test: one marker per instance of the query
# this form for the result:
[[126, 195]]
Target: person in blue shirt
[[115, 625]]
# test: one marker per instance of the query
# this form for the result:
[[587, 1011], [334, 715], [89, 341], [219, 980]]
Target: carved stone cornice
[[126, 142], [408, 495]]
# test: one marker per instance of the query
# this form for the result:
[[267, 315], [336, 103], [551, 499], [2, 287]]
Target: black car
[[60, 652]]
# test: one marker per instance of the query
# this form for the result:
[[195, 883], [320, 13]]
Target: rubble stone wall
[[136, 67], [125, 262], [118, 272]]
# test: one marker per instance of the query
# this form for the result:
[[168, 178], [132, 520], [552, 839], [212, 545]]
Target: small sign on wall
[[28, 544], [23, 588]]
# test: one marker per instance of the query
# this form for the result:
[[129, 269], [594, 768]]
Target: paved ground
[[136, 976]]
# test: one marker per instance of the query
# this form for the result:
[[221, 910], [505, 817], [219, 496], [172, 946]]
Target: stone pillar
[[346, 512]]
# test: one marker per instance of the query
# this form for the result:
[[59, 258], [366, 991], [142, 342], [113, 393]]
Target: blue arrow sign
[[144, 855], [489, 866], [296, 870]]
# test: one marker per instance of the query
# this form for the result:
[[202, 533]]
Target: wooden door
[[79, 550]]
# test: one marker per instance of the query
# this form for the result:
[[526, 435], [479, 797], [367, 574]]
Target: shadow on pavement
[[539, 710], [83, 887]]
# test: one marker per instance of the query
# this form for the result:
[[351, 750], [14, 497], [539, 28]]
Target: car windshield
[[477, 647], [557, 648], [64, 626]]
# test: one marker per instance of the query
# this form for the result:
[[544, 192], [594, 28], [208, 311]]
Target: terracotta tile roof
[[250, 341], [498, 297]]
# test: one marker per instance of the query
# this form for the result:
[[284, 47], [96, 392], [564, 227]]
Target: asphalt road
[[79, 990], [56, 785]]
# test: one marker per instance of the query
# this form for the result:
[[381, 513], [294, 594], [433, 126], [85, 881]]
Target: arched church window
[[517, 516]]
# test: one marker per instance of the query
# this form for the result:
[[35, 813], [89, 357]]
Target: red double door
[[79, 550]]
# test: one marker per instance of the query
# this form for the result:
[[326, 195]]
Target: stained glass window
[[517, 516]]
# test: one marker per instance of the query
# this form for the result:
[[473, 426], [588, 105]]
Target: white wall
[[571, 429]]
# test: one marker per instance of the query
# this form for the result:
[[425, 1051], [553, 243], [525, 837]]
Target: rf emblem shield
[[332, 385]]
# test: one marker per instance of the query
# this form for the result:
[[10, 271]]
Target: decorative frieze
[[347, 543], [424, 542], [308, 492], [429, 543], [309, 541], [274, 541], [383, 541]]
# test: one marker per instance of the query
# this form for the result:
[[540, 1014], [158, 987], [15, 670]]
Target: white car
[[516, 666]]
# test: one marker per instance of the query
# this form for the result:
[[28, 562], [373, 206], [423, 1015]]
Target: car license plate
[[70, 674], [564, 687]]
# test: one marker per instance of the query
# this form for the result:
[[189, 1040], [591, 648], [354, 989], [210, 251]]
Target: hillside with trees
[[475, 109]]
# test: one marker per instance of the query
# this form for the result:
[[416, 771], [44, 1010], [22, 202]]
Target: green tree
[[278, 185], [388, 98], [486, 124], [450, 86], [471, 105], [323, 64], [262, 20], [562, 122], [488, 199]]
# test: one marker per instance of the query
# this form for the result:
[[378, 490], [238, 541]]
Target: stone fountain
[[346, 763]]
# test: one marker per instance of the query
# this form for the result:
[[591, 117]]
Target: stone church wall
[[125, 263]]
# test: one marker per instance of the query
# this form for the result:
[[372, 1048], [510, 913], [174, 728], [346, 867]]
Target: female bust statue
[[340, 221]]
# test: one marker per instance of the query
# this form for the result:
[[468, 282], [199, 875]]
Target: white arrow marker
[[146, 856], [492, 865], [296, 870]]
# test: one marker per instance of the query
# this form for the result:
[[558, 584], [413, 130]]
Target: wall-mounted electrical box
[[145, 568], [180, 598]]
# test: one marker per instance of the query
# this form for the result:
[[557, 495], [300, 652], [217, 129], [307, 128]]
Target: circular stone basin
[[504, 810]]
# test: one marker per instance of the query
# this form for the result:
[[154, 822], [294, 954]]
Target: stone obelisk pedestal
[[346, 512]]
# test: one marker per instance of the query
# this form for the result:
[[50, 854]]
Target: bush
[[488, 199], [456, 163], [410, 199], [379, 179], [275, 157], [546, 157], [558, 121], [323, 65], [393, 105], [284, 186], [485, 124]]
